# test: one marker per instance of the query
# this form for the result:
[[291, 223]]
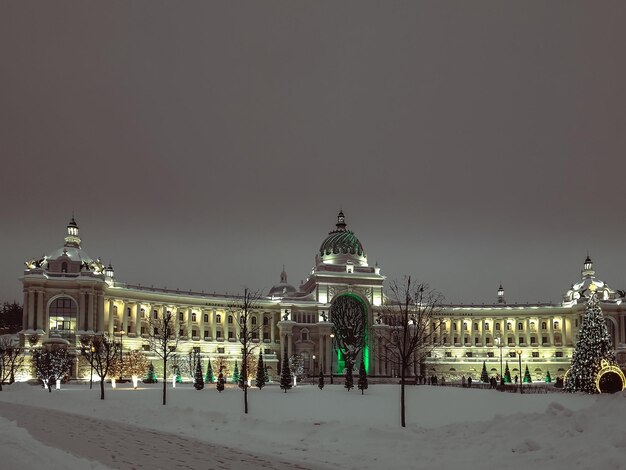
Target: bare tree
[[348, 317], [411, 321], [51, 365], [103, 357], [11, 358], [163, 341], [248, 335]]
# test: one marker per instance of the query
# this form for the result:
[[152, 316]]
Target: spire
[[283, 276], [72, 238], [501, 299], [341, 222], [588, 268]]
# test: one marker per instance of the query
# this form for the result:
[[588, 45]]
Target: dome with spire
[[70, 258], [579, 292], [341, 246], [283, 288]]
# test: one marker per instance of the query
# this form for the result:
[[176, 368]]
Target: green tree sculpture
[[209, 378], [151, 377], [548, 378], [592, 346], [236, 376], [199, 381], [285, 376], [507, 374], [362, 384], [527, 378], [260, 373]]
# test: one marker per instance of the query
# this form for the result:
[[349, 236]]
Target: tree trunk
[[101, 388], [164, 381], [245, 396], [402, 407]]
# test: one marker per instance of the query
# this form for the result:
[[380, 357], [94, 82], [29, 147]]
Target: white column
[[124, 319], [82, 312], [100, 312], [25, 311], [137, 323], [189, 322], [550, 322], [40, 322], [272, 328], [213, 325], [31, 309], [90, 311], [111, 317]]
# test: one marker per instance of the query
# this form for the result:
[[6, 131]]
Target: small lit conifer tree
[[260, 373]]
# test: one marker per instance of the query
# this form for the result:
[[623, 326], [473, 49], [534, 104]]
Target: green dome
[[341, 245]]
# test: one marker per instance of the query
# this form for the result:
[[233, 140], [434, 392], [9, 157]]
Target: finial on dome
[[283, 276], [341, 221], [72, 238], [588, 268], [501, 295]]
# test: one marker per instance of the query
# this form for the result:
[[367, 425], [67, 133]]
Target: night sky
[[202, 145]]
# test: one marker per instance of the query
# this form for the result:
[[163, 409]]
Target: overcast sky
[[202, 145]]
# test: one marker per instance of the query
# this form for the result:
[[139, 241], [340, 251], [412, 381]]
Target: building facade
[[69, 295]]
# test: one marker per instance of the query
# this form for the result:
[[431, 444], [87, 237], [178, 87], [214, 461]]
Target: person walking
[[469, 382], [463, 381]]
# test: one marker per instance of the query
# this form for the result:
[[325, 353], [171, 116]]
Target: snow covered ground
[[448, 427]]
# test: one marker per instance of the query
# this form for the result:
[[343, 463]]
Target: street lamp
[[313, 368], [332, 352], [519, 358], [500, 345]]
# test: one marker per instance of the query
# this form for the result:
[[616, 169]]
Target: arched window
[[475, 326], [193, 317], [253, 321], [543, 325], [304, 334], [520, 326], [64, 267], [556, 325], [218, 318], [62, 313], [509, 326], [266, 321], [230, 319], [497, 326]]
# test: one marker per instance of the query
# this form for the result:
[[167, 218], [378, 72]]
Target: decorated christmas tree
[[362, 384], [285, 376], [209, 377], [527, 378], [507, 374], [349, 383], [320, 383], [179, 377], [151, 377], [548, 378], [484, 376], [260, 373], [236, 374], [220, 382], [199, 381], [593, 345]]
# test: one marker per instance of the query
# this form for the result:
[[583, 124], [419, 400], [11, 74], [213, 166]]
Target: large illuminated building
[[69, 295]]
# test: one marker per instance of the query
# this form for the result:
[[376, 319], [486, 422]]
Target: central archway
[[348, 313]]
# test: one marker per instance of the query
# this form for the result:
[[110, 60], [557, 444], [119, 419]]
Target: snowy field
[[447, 427]]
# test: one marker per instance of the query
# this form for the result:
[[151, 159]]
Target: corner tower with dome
[[68, 295]]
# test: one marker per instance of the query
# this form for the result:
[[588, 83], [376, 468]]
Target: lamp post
[[332, 352], [519, 358], [500, 345], [313, 367]]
